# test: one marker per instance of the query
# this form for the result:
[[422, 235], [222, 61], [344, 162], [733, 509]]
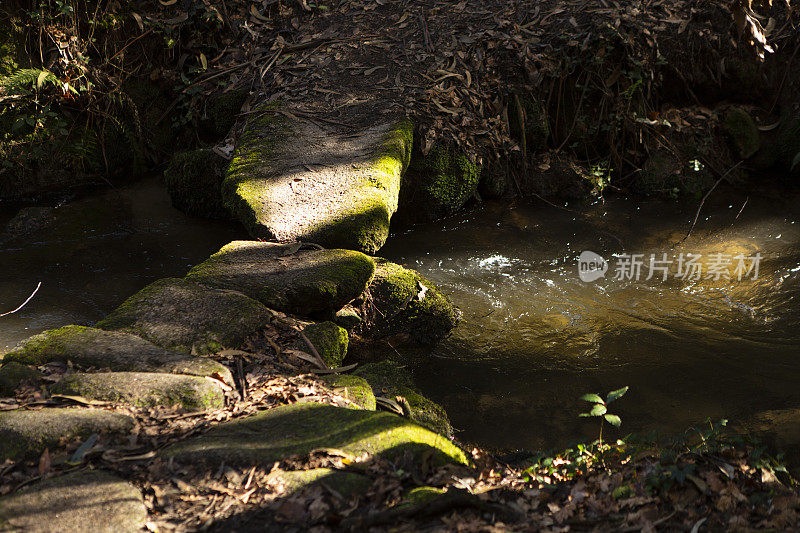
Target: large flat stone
[[286, 278], [295, 180], [300, 428], [26, 434], [86, 501], [183, 316], [144, 389], [115, 350]]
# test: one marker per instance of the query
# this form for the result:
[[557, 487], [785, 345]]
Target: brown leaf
[[44, 462]]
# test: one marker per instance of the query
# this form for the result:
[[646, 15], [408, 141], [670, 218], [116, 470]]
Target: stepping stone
[[115, 350], [354, 388], [403, 302], [390, 379], [85, 501], [185, 317], [144, 389], [26, 434], [272, 435], [286, 277], [294, 180], [347, 484], [328, 339]]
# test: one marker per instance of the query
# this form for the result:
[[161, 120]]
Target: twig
[[25, 302], [703, 201], [314, 350], [740, 211]]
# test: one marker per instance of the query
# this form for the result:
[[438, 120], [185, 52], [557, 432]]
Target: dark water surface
[[95, 253], [535, 337]]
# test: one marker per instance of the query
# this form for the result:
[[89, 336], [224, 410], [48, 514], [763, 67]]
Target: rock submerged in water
[[294, 180], [144, 389], [277, 433], [287, 277], [85, 501], [403, 302], [185, 317], [115, 350], [26, 434]]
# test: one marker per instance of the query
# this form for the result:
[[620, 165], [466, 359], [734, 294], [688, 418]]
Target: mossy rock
[[328, 339], [221, 112], [183, 316], [347, 317], [118, 351], [403, 302], [12, 375], [292, 180], [298, 429], [354, 388], [347, 484], [193, 179], [438, 184], [287, 278], [742, 131], [390, 379], [89, 501], [420, 496], [26, 434], [144, 389]]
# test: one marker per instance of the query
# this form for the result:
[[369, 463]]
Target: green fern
[[24, 80]]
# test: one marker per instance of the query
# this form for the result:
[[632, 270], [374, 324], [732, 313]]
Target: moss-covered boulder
[[742, 131], [390, 379], [403, 302], [193, 181], [285, 277], [347, 317], [294, 180], [183, 316], [26, 434], [438, 184], [347, 484], [328, 339], [12, 375], [115, 350], [89, 501], [272, 435], [354, 388], [144, 389]]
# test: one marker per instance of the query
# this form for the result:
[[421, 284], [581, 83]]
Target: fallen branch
[[25, 302]]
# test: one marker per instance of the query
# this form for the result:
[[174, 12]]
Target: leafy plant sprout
[[600, 408]]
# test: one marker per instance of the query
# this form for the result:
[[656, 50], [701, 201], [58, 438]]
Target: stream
[[535, 337]]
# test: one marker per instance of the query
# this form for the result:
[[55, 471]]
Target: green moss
[[743, 132], [347, 317], [277, 433], [330, 341], [354, 388], [144, 389], [420, 496], [397, 307], [37, 350], [390, 379], [348, 484], [12, 375], [193, 181], [438, 184]]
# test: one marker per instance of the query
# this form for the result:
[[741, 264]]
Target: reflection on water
[[95, 253], [535, 337]]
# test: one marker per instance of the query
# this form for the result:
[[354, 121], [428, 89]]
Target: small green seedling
[[600, 408]]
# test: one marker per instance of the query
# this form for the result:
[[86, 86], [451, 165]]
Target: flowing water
[[535, 337], [94, 253]]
